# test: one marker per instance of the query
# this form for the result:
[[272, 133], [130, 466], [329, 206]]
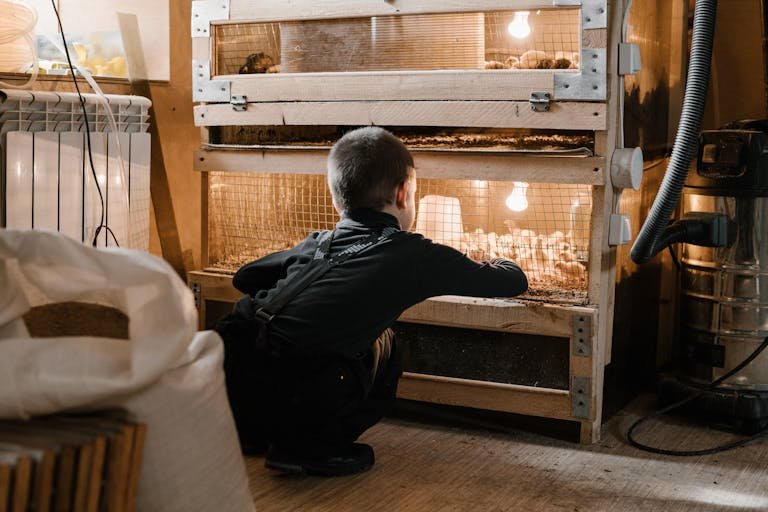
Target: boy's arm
[[263, 273], [446, 271]]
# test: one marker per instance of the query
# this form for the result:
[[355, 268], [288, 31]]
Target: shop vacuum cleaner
[[724, 281], [723, 229]]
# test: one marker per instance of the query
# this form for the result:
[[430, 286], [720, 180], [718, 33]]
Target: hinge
[[238, 103], [580, 396], [539, 101], [582, 335]]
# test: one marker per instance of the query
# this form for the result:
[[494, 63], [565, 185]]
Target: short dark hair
[[365, 166]]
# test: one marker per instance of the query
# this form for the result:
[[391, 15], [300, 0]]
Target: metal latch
[[238, 103], [539, 101]]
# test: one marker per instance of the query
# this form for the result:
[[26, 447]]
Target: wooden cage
[[485, 116]]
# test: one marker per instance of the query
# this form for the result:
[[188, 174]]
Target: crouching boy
[[310, 359]]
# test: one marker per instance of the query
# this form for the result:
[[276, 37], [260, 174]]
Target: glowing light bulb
[[517, 202], [519, 27], [480, 183]]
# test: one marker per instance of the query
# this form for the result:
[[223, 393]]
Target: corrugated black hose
[[647, 244]]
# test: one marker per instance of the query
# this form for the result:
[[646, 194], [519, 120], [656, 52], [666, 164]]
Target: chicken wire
[[406, 42], [251, 215]]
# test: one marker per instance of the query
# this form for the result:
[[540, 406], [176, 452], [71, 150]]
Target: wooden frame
[[589, 83], [581, 403], [585, 100]]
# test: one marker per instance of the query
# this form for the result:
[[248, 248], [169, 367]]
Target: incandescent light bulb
[[519, 27], [517, 202]]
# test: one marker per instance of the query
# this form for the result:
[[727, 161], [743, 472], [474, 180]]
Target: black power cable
[[87, 135], [676, 405]]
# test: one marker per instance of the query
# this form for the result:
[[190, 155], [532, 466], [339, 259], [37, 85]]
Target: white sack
[[166, 375]]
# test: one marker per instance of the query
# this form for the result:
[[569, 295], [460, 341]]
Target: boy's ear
[[401, 193], [335, 206]]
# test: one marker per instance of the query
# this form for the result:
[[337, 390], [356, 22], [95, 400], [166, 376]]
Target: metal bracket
[[539, 101], [589, 83], [205, 89], [206, 11], [238, 103], [196, 293], [594, 14], [582, 335], [580, 396]]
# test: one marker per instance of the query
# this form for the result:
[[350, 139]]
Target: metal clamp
[[580, 396], [206, 11], [197, 293], [238, 102], [539, 101], [582, 335]]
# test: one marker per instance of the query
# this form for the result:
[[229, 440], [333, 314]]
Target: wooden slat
[[429, 164], [544, 402], [595, 38], [258, 10], [453, 85], [214, 286], [503, 315], [485, 114]]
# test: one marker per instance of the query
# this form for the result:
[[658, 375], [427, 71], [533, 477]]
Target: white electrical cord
[[18, 23]]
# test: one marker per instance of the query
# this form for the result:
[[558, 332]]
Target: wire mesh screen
[[545, 228], [252, 215], [542, 39], [247, 48], [553, 39]]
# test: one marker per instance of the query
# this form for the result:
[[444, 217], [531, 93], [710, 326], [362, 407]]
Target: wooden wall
[[738, 87]]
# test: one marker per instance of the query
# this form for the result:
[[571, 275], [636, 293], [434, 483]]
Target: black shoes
[[345, 460]]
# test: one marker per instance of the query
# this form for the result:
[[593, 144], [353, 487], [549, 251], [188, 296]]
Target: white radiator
[[46, 181]]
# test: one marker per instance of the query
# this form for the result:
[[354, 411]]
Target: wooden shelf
[[577, 324]]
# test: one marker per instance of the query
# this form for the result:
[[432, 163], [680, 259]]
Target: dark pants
[[307, 402]]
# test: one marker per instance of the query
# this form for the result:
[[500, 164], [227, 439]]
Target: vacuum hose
[[646, 245]]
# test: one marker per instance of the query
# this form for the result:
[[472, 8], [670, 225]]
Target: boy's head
[[370, 168]]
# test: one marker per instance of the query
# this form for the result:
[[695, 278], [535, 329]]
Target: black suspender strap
[[320, 264]]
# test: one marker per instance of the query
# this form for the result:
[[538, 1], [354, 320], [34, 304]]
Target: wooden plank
[[258, 10], [205, 216], [214, 286], [448, 85], [160, 188], [603, 257], [503, 315], [485, 114], [544, 402], [492, 166], [594, 38]]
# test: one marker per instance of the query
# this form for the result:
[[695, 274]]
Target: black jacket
[[347, 308]]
